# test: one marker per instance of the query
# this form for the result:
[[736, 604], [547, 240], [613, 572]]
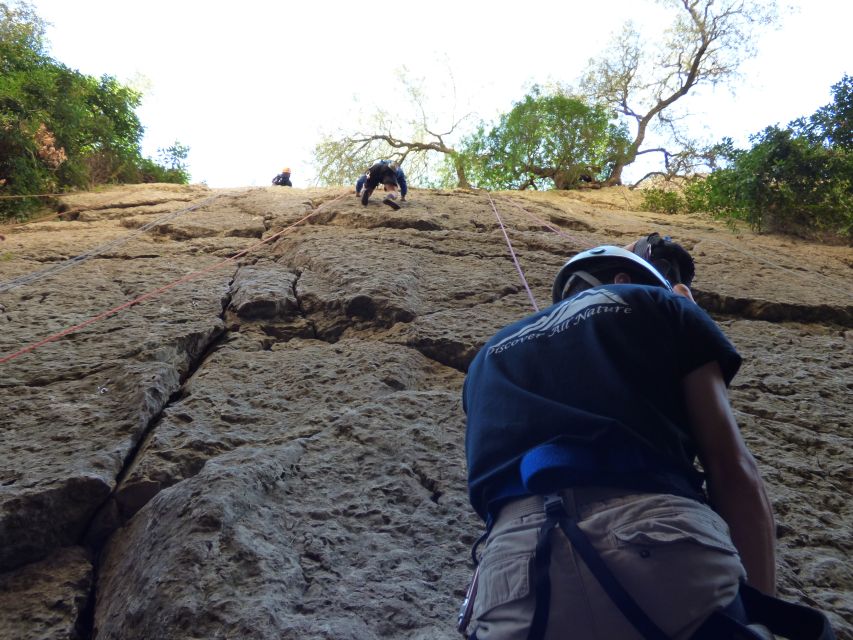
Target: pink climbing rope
[[150, 294], [544, 223], [512, 253]]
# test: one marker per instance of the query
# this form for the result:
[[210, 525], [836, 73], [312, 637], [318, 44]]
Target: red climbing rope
[[512, 253], [150, 294]]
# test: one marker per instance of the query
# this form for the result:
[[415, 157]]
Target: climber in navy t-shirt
[[383, 172], [606, 400]]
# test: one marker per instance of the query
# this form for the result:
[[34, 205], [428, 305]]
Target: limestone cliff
[[273, 447]]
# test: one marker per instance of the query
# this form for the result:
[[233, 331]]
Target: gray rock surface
[[273, 447], [45, 600]]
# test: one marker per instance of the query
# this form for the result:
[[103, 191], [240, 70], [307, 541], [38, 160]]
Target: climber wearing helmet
[[283, 179], [584, 422], [391, 175]]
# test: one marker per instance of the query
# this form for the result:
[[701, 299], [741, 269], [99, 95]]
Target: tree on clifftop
[[705, 44], [832, 125], [342, 160], [59, 128], [546, 141], [415, 140]]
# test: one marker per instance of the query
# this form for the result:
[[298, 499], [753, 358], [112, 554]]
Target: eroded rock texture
[[270, 444]]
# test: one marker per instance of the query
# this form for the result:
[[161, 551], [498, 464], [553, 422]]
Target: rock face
[[270, 444]]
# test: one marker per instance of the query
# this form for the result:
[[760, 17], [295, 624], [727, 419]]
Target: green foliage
[[663, 201], [794, 180], [692, 195], [342, 160], [696, 195], [545, 141], [832, 125], [445, 174], [171, 166], [60, 129], [787, 182]]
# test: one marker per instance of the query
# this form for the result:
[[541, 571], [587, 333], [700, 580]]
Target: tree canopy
[[705, 44], [423, 139], [832, 125], [546, 141], [60, 128], [795, 179], [340, 160]]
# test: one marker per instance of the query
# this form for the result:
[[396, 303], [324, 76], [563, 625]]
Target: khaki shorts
[[672, 554]]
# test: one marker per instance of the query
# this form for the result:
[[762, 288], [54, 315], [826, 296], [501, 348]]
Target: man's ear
[[622, 278]]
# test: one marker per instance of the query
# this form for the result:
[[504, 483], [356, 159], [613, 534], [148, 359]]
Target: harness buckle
[[467, 608], [554, 507]]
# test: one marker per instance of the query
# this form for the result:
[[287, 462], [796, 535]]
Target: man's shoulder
[[643, 294], [607, 301]]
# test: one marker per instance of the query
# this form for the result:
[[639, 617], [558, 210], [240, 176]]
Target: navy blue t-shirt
[[603, 367]]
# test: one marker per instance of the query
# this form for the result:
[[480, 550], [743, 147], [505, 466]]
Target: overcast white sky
[[250, 85]]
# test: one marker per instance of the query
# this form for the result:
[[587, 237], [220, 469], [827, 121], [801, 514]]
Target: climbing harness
[[750, 606], [732, 622], [556, 515]]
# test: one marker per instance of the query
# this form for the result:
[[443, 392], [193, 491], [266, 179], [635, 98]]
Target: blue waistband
[[555, 466], [539, 466], [551, 467]]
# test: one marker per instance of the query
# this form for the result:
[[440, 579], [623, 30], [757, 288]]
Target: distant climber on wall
[[283, 179], [390, 175]]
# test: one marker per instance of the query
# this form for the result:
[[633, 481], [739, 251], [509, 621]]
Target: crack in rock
[[754, 309], [301, 307], [111, 515]]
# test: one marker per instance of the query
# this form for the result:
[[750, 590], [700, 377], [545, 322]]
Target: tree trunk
[[461, 178], [562, 180], [631, 155]]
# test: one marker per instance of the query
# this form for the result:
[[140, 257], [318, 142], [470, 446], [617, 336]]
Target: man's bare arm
[[735, 487]]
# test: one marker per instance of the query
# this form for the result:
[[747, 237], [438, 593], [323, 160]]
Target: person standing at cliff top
[[390, 175], [584, 423], [283, 178]]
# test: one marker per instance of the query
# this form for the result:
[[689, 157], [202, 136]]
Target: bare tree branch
[[706, 43], [342, 158], [647, 176]]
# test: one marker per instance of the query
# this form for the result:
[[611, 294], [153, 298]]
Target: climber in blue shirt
[[589, 417]]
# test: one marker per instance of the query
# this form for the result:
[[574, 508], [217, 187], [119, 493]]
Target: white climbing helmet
[[600, 258]]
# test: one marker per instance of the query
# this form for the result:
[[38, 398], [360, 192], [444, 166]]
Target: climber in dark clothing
[[389, 175], [595, 410], [283, 179], [401, 181]]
